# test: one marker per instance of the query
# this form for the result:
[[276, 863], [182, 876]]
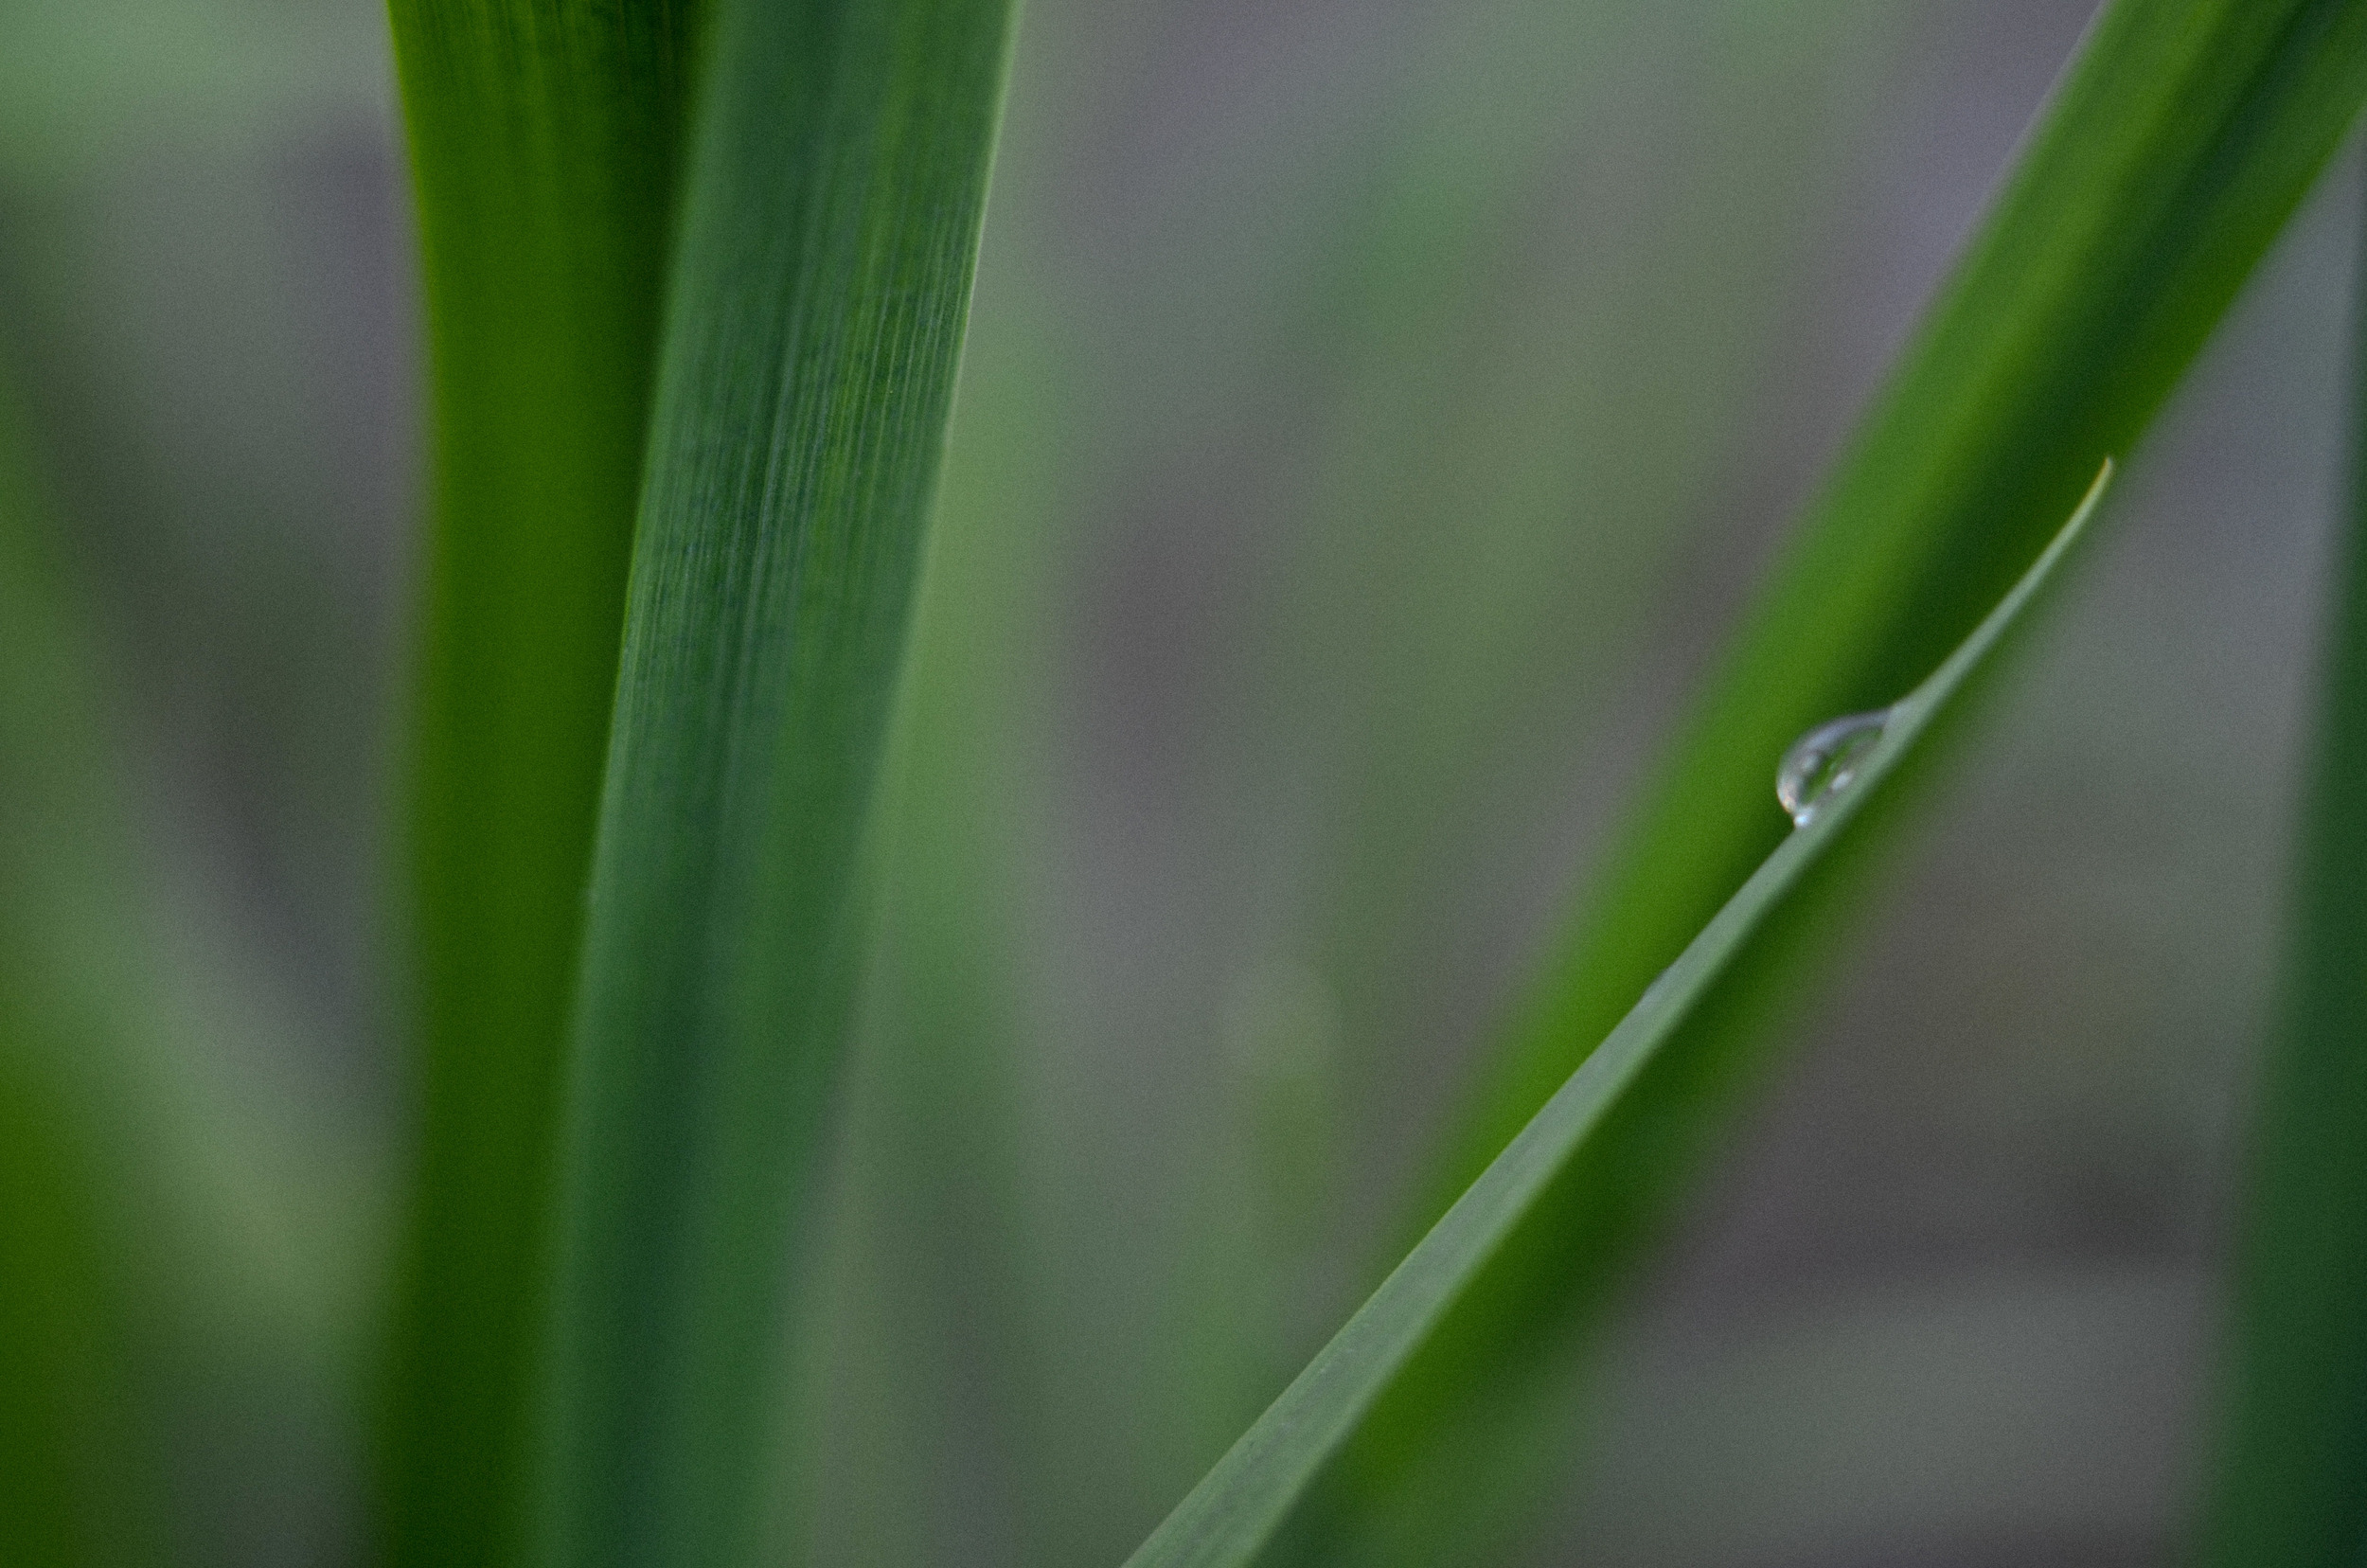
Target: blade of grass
[[2176, 145], [2290, 1487], [544, 138], [830, 224], [2180, 138], [1231, 1515]]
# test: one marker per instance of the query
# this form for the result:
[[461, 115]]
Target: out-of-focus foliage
[[83, 85], [2290, 1482], [190, 1196], [165, 1227], [80, 1466]]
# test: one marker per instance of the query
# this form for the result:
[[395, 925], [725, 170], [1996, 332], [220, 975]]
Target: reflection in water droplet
[[1822, 762]]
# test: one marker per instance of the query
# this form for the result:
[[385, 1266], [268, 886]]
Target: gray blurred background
[[1375, 413]]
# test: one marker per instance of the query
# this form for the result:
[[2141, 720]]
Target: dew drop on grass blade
[[1237, 1508]]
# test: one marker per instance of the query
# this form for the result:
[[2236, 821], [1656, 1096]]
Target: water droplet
[[1822, 762]]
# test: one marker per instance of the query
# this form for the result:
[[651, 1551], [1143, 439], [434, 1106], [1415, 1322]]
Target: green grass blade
[[2291, 1482], [2175, 148], [2177, 142], [831, 222], [545, 137], [1231, 1515]]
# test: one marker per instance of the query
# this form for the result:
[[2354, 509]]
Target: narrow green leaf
[[2291, 1484], [830, 224], [544, 138], [2180, 141], [1229, 1517], [2177, 143]]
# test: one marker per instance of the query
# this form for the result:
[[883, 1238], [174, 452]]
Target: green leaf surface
[[1232, 1514], [544, 139], [2178, 141], [2290, 1487], [831, 222]]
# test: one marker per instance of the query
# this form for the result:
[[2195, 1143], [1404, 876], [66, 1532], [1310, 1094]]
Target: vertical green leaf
[[2291, 1484], [544, 138], [829, 230]]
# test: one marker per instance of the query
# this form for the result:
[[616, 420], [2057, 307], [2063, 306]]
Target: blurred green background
[[1374, 414]]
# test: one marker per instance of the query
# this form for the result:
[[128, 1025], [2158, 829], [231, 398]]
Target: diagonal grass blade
[[2178, 140], [1233, 1512]]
